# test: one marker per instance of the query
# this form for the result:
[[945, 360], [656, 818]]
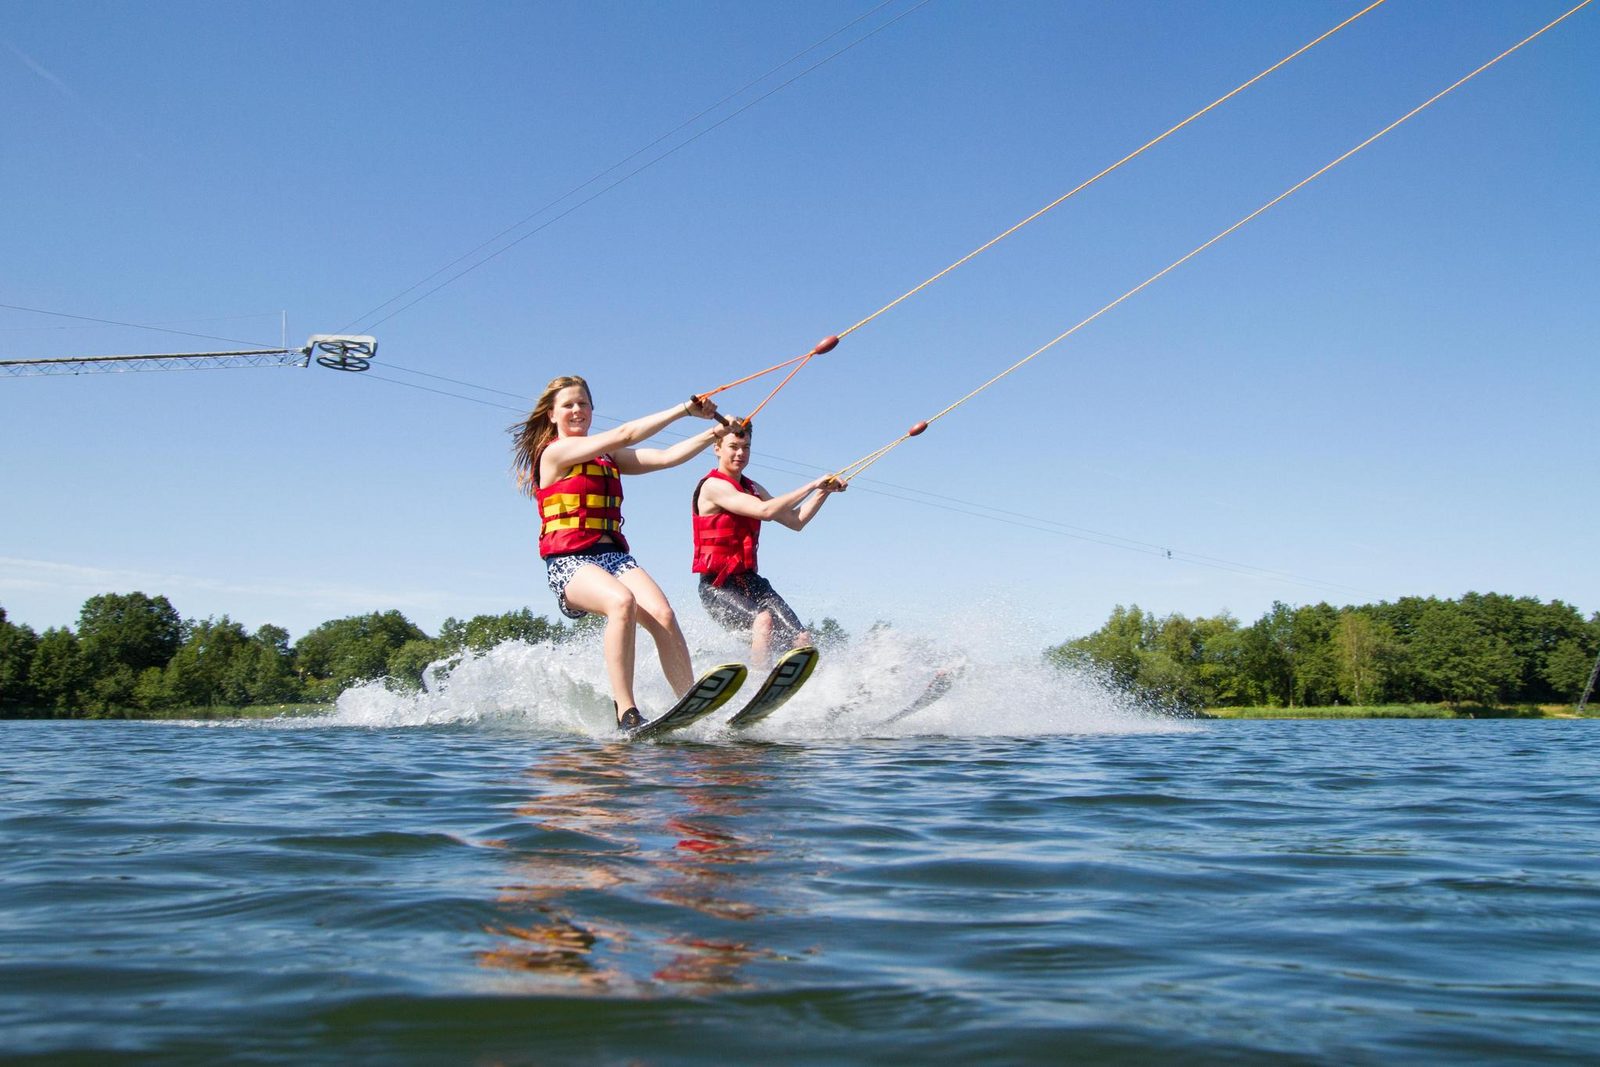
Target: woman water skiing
[[576, 479]]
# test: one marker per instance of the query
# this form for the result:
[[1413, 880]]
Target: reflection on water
[[658, 832]]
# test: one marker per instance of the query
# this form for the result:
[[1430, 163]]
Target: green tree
[[1173, 659], [1405, 682], [211, 667], [1267, 655], [1563, 631], [1114, 648], [343, 652], [264, 672], [18, 644], [1567, 669], [1316, 669], [121, 634], [410, 661], [483, 632], [152, 690], [1531, 630], [1567, 666], [1221, 667], [1364, 652], [129, 628], [1459, 660], [58, 673], [828, 633]]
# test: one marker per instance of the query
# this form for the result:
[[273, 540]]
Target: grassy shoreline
[[256, 711], [1408, 711]]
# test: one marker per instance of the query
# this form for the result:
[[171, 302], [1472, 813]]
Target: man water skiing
[[728, 511]]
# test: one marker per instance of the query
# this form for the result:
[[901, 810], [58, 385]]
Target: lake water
[[481, 875]]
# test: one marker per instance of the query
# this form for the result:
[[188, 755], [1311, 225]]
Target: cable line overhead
[[868, 460]]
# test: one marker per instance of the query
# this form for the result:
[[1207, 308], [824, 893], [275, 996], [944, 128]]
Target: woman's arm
[[565, 452], [645, 460]]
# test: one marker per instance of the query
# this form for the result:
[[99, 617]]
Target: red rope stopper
[[827, 344], [918, 428]]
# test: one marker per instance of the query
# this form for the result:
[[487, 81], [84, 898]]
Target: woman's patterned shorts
[[560, 569]]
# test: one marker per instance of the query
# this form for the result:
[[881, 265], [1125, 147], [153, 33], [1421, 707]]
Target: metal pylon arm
[[346, 352], [277, 357]]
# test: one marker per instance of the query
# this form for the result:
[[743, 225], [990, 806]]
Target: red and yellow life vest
[[725, 543], [580, 507]]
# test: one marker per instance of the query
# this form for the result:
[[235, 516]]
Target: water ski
[[788, 675], [712, 691], [943, 679]]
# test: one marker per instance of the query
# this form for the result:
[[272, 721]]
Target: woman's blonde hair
[[530, 436]]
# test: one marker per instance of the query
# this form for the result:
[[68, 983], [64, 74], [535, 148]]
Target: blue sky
[[1383, 387]]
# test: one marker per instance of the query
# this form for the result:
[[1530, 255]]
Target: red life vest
[[580, 507], [725, 543]]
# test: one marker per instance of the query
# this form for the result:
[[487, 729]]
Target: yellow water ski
[[788, 675], [713, 690]]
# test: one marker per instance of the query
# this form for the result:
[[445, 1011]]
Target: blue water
[[498, 889]]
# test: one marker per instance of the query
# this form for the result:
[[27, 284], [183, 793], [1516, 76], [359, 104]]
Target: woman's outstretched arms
[[618, 441]]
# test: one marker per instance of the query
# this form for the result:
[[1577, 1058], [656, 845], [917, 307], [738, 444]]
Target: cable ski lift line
[[828, 343], [632, 173], [1018, 519], [521, 410], [95, 325], [457, 381], [130, 325], [862, 464]]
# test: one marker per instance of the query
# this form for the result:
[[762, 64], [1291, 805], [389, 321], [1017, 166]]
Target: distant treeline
[[132, 653], [1484, 648]]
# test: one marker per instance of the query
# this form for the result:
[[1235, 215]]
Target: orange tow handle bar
[[827, 344]]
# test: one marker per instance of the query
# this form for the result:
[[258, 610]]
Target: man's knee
[[761, 626]]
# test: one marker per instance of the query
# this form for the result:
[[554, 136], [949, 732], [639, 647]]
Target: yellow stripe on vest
[[576, 523], [590, 468], [565, 503]]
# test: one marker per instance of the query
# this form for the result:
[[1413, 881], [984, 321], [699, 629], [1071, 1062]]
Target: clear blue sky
[[1385, 386]]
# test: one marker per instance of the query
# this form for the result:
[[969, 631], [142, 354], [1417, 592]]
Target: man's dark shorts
[[737, 602]]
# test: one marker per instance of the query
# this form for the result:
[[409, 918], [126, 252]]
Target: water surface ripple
[[1241, 892]]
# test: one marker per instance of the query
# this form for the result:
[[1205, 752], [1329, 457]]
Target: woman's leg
[[591, 589], [656, 615]]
